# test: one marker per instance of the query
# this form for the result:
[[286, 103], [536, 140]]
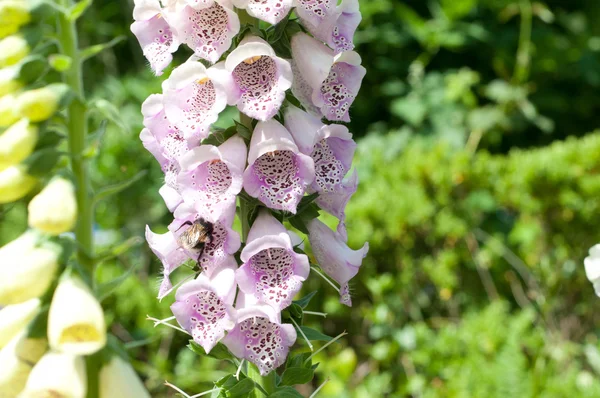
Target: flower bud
[[14, 370], [15, 183], [27, 268], [8, 115], [14, 318], [75, 321], [118, 379], [13, 49], [41, 104], [57, 375], [8, 80], [13, 15], [54, 210], [17, 143]]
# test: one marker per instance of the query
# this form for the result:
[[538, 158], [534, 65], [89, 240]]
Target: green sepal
[[31, 68], [219, 351], [314, 335], [96, 49], [304, 301]]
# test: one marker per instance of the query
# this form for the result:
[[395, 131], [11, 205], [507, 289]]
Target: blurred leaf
[[293, 376], [241, 389], [285, 392], [119, 187], [314, 335], [304, 301]]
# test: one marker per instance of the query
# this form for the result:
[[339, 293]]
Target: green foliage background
[[480, 195]]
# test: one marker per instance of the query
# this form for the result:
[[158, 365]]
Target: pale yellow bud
[[13, 15], [15, 183], [57, 375], [15, 371], [15, 318], [8, 114], [76, 320], [13, 49], [40, 104], [118, 379], [54, 210], [27, 268], [8, 81], [17, 143]]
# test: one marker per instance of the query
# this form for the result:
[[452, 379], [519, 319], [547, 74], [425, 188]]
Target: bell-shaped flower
[[17, 143], [271, 11], [222, 242], [9, 82], [16, 361], [334, 79], [57, 375], [27, 268], [8, 113], [118, 379], [54, 210], [303, 91], [75, 321], [15, 318], [271, 270], [211, 177], [204, 306], [156, 37], [208, 31], [15, 183], [259, 337], [331, 23], [193, 98], [40, 104], [13, 15], [592, 268], [278, 173], [332, 149], [260, 78], [167, 249], [12, 50], [335, 257]]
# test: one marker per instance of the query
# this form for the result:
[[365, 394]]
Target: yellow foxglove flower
[[40, 104], [13, 15], [54, 210], [17, 143], [15, 183], [76, 320], [118, 379], [16, 361], [8, 114], [27, 268], [57, 375], [13, 49], [15, 318], [9, 82]]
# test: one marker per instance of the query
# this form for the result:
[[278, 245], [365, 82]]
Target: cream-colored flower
[[17, 143], [13, 49], [76, 320], [13, 15], [54, 210], [40, 104], [27, 268], [16, 361], [118, 379], [15, 183], [14, 318], [8, 80], [8, 114], [57, 375]]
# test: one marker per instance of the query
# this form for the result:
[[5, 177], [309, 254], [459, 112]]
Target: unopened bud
[[13, 49], [8, 115], [76, 321], [54, 210], [41, 104], [8, 81], [15, 183], [17, 143], [118, 379], [13, 15], [14, 318], [27, 268], [57, 375], [16, 368]]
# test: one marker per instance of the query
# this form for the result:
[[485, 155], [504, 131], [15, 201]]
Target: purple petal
[[167, 249], [314, 12], [157, 41], [271, 11]]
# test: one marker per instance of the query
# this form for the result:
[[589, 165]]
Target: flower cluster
[[282, 162]]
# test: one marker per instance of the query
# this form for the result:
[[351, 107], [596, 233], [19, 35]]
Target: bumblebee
[[196, 236]]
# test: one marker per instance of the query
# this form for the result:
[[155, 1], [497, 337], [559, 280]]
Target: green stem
[[77, 127], [521, 72], [266, 382]]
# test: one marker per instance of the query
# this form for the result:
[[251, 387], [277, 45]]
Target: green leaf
[[286, 392], [243, 131], [104, 290], [116, 188], [299, 361], [217, 137], [78, 9], [314, 335], [49, 139], [94, 50], [109, 111], [41, 162], [218, 352], [241, 389], [293, 376], [304, 301], [94, 140]]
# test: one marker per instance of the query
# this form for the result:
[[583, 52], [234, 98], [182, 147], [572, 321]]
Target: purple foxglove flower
[[278, 173], [223, 243], [271, 11], [211, 177], [200, 4], [204, 306], [332, 148], [335, 257], [166, 248], [260, 78], [208, 31], [271, 271], [334, 79], [259, 337], [155, 35], [303, 91], [193, 98], [332, 24]]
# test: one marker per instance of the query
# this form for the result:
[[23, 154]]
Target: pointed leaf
[[286, 392], [241, 389], [297, 375], [94, 50], [116, 188], [304, 301], [314, 335]]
